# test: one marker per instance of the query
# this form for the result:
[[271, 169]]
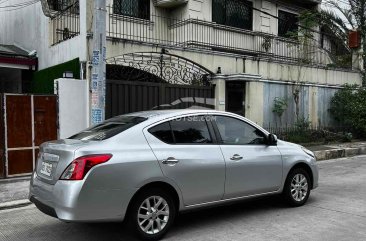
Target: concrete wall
[[314, 104], [30, 29], [73, 99], [318, 85], [231, 64]]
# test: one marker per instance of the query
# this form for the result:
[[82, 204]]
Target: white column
[[220, 93]]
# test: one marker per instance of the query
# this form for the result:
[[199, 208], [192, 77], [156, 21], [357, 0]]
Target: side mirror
[[272, 140]]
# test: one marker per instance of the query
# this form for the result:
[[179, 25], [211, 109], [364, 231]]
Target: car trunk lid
[[54, 157]]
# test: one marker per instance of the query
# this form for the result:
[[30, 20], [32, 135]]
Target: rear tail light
[[80, 166]]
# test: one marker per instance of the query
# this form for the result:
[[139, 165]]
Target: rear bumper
[[43, 207], [74, 201]]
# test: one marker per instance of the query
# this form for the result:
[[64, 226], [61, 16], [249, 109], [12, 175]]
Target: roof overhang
[[17, 62]]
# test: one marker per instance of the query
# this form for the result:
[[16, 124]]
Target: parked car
[[146, 167]]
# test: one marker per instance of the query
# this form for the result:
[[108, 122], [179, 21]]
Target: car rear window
[[108, 128]]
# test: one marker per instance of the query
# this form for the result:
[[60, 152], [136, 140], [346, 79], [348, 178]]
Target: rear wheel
[[152, 213], [297, 187]]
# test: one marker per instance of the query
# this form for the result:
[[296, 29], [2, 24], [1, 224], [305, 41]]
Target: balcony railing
[[198, 34], [66, 24]]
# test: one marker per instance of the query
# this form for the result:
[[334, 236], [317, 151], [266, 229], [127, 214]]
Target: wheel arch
[[305, 167], [170, 189]]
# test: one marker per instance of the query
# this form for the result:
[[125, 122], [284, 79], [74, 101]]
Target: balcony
[[65, 24], [209, 36]]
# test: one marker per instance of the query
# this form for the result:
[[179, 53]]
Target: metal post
[[98, 78]]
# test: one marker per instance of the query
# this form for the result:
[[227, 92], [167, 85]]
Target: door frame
[[227, 96], [33, 147]]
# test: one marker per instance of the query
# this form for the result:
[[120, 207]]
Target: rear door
[[252, 166], [189, 155]]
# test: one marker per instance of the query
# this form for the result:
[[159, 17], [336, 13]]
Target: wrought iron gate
[[146, 81]]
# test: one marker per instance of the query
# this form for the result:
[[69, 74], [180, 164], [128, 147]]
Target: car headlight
[[307, 151]]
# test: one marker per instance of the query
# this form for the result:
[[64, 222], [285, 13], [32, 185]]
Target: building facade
[[234, 55]]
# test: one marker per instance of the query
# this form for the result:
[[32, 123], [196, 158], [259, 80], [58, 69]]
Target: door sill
[[229, 200]]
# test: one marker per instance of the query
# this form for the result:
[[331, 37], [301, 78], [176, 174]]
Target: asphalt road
[[335, 211]]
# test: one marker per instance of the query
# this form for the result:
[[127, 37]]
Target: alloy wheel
[[153, 215], [299, 187]]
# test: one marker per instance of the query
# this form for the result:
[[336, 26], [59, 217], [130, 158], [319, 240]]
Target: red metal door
[[29, 121]]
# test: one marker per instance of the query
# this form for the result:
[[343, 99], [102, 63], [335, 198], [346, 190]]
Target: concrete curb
[[339, 153], [14, 204]]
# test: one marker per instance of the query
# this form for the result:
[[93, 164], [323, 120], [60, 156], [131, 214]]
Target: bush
[[348, 107]]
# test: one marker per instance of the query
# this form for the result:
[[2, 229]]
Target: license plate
[[46, 168]]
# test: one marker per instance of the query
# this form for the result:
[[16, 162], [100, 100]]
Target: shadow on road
[[189, 221]]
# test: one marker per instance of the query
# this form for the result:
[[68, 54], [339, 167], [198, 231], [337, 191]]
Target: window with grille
[[59, 5], [287, 24], [132, 8], [234, 13]]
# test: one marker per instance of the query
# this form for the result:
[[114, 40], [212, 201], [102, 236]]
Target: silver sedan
[[146, 167]]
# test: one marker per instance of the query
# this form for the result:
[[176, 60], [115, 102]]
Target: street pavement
[[335, 211], [11, 190]]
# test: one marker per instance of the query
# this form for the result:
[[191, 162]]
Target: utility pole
[[98, 61]]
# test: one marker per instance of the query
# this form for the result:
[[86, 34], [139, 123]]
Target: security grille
[[132, 8], [59, 5], [287, 24], [234, 13]]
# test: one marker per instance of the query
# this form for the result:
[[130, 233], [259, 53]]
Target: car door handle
[[171, 161], [236, 157]]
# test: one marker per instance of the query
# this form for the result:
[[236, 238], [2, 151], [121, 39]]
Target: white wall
[[73, 99], [233, 64], [30, 29]]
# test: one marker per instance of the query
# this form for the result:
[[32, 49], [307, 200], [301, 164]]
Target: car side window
[[191, 130], [237, 132], [163, 132]]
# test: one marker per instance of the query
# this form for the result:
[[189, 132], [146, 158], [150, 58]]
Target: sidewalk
[[14, 192], [332, 151]]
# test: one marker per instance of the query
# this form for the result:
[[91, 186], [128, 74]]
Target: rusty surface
[[45, 119], [19, 121], [2, 139], [20, 162]]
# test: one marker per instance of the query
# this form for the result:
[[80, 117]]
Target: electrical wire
[[19, 4]]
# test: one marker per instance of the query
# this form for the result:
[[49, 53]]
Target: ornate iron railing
[[66, 23], [199, 34]]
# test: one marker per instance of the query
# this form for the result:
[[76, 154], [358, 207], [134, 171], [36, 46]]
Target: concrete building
[[233, 55]]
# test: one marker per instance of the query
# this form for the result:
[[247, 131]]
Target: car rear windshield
[[108, 128]]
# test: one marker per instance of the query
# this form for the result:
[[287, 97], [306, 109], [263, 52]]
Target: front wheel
[[152, 214], [297, 187]]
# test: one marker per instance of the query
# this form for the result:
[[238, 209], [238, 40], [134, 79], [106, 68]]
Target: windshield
[[108, 128]]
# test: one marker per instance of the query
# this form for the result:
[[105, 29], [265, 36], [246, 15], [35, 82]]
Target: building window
[[234, 13], [287, 24], [132, 8], [59, 5]]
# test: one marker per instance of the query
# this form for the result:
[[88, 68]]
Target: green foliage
[[309, 135], [348, 107], [302, 124], [280, 106], [42, 81]]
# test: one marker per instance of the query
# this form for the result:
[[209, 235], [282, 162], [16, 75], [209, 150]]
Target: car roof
[[154, 116], [169, 113]]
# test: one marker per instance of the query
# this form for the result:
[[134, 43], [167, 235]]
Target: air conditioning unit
[[169, 3]]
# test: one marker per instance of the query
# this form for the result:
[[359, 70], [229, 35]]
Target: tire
[[141, 217], [296, 186]]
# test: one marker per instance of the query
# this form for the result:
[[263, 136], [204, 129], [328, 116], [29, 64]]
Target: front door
[[235, 97], [252, 167], [188, 155]]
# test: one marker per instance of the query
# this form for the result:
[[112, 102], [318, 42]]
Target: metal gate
[[127, 96], [26, 122], [146, 81]]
